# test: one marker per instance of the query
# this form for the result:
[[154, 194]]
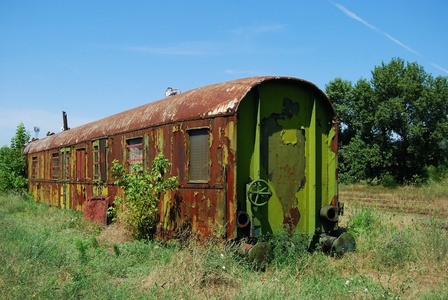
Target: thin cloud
[[401, 44], [184, 50], [253, 30], [194, 48], [68, 67], [212, 47], [357, 18], [249, 72], [438, 67], [354, 16]]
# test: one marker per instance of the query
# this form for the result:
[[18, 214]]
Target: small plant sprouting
[[82, 250], [116, 250], [112, 213]]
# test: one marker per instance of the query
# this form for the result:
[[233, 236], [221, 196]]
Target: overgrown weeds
[[50, 253]]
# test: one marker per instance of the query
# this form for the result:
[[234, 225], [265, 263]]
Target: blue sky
[[93, 59]]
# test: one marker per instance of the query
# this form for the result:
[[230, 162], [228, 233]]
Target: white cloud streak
[[359, 19], [438, 67], [354, 16], [401, 44]]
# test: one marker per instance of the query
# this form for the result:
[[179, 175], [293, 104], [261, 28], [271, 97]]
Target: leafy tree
[[142, 190], [13, 163], [394, 126]]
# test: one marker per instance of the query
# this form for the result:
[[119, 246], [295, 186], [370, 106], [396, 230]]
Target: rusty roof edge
[[194, 104]]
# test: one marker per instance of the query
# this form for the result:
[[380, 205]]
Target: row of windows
[[61, 167]]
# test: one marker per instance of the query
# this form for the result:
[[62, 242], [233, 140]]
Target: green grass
[[49, 253]]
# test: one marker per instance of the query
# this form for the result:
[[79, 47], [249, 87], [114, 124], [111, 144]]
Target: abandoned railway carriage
[[253, 156]]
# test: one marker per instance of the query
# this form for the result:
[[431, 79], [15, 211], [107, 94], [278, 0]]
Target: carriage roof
[[205, 102]]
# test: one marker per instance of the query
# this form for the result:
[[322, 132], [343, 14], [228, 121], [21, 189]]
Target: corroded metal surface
[[96, 209], [205, 102], [277, 130]]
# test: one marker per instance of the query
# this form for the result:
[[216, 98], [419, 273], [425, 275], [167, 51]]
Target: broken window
[[134, 152]]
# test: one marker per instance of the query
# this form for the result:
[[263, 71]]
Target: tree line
[[13, 163], [393, 127]]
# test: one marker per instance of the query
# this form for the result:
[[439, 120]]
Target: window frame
[[81, 164], [35, 167], [199, 170], [96, 172], [132, 144], [55, 166], [66, 160], [99, 159]]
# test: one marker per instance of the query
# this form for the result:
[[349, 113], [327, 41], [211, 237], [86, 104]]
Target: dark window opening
[[35, 169]]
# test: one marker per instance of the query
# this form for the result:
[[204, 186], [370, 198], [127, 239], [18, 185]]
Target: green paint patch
[[289, 136]]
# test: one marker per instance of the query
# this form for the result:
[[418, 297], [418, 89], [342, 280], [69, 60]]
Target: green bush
[[142, 191], [437, 174], [363, 221], [13, 163]]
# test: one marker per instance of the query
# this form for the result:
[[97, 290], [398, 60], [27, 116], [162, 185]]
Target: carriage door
[[277, 162], [65, 177], [80, 194]]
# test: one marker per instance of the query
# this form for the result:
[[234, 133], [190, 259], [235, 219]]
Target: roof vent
[[171, 92]]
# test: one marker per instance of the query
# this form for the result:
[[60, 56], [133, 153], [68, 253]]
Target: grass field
[[401, 253]]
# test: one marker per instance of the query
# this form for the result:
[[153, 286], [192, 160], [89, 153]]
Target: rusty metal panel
[[200, 206], [80, 164], [95, 209], [199, 211]]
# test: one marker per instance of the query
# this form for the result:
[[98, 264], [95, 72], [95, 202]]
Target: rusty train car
[[253, 156]]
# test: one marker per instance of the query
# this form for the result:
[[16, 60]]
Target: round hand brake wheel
[[258, 192]]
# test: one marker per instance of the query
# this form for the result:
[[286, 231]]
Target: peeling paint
[[289, 136], [258, 128]]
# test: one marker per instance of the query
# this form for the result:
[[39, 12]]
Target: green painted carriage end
[[285, 134]]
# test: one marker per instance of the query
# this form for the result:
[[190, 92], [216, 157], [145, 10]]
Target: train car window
[[103, 153], [99, 159], [198, 169], [66, 163], [96, 161], [134, 149], [34, 168], [80, 164], [55, 166]]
